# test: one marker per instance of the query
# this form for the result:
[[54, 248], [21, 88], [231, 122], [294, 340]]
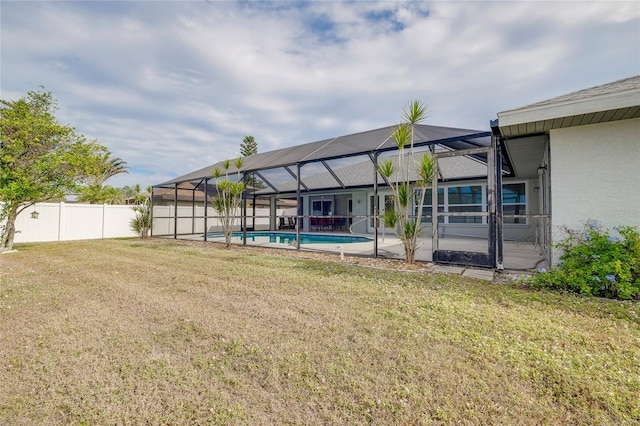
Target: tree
[[410, 173], [105, 167], [130, 191], [40, 159], [227, 202], [249, 146], [98, 194], [141, 223]]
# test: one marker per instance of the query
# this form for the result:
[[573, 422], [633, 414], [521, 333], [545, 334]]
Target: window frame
[[446, 205], [482, 204], [525, 204]]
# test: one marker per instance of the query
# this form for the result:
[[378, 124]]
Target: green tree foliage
[[142, 221], [227, 201], [411, 171], [99, 194], [596, 262], [130, 191], [104, 168], [40, 159], [249, 146]]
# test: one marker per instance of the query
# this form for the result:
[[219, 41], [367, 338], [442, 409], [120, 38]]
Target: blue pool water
[[290, 237]]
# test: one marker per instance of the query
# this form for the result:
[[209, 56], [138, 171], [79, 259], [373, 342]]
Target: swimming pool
[[290, 237]]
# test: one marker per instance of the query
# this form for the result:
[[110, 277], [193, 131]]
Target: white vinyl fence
[[190, 220], [64, 222]]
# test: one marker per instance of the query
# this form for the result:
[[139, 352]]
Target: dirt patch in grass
[[165, 332]]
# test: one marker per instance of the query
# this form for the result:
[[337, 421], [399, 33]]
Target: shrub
[[596, 262], [141, 222]]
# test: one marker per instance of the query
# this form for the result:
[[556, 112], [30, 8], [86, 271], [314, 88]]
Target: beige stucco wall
[[595, 175]]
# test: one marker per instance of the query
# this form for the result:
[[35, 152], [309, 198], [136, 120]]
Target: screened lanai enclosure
[[329, 196]]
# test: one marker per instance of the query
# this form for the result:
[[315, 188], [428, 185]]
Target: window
[[514, 201], [321, 208], [465, 199], [472, 198], [427, 212]]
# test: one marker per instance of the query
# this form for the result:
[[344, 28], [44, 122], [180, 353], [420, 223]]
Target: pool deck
[[518, 256]]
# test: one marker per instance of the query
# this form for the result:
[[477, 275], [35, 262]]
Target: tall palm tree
[[96, 191], [114, 166]]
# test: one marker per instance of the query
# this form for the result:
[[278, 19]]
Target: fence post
[[104, 212], [60, 220]]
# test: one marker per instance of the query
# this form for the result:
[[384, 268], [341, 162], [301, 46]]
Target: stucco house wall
[[595, 173], [592, 170]]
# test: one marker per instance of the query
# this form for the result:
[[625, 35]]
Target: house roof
[[617, 100], [360, 173], [357, 144], [184, 194]]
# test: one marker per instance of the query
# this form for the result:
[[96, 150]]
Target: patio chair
[[292, 222]]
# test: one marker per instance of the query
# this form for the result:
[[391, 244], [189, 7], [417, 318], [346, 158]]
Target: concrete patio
[[518, 255]]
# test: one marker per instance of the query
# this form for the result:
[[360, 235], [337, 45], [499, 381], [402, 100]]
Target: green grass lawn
[[162, 332]]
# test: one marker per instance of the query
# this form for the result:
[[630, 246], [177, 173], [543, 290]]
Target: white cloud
[[172, 87]]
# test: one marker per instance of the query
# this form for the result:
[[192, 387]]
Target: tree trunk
[[10, 228], [409, 252]]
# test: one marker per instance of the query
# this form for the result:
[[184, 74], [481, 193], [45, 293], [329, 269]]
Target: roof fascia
[[594, 104]]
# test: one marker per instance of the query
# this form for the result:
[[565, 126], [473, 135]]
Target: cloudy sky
[[172, 87]]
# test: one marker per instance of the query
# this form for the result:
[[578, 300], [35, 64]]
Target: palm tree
[[96, 191], [227, 202], [114, 166], [410, 174]]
